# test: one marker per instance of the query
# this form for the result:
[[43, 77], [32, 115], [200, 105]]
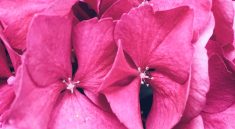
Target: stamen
[[144, 75], [70, 84]]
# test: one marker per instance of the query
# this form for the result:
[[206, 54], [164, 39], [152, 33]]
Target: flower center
[[144, 75], [70, 84]]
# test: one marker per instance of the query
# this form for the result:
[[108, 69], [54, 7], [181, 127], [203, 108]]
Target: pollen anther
[[144, 75], [70, 84]]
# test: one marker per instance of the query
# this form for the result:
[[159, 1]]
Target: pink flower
[[46, 91], [158, 53]]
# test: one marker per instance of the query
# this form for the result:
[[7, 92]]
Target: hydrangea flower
[[158, 51]]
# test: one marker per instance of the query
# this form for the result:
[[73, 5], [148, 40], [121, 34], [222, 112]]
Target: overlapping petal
[[222, 86], [7, 96], [221, 120], [202, 10], [17, 16], [79, 113], [49, 49], [124, 101], [95, 51], [120, 7], [123, 92], [169, 100], [14, 56], [4, 66], [195, 123], [223, 11], [199, 85], [32, 101]]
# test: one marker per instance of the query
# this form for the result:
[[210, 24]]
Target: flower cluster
[[117, 64]]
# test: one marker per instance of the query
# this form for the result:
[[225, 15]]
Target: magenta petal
[[222, 90], [221, 120], [33, 105], [4, 66], [169, 56], [99, 100], [202, 10], [7, 96], [118, 8], [169, 100], [49, 49], [121, 88], [95, 51], [124, 102], [76, 112], [121, 73], [14, 56], [105, 4], [223, 11], [18, 14], [195, 123], [199, 75], [156, 39]]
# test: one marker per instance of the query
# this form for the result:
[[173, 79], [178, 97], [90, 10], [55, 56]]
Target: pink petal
[[95, 50], [221, 120], [162, 47], [121, 72], [222, 93], [7, 96], [105, 4], [124, 101], [49, 49], [18, 14], [223, 11], [195, 123], [169, 100], [14, 56], [4, 66], [119, 7], [33, 104], [199, 75], [76, 112], [202, 10], [169, 57], [99, 100]]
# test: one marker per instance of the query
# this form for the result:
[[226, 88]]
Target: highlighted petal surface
[[49, 49]]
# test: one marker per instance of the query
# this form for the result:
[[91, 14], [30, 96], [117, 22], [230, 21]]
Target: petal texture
[[17, 16], [79, 113], [222, 120], [223, 11], [202, 10], [49, 49], [199, 76], [33, 105], [95, 50], [222, 86], [124, 102], [169, 100]]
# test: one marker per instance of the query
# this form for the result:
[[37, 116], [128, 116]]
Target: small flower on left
[[46, 89]]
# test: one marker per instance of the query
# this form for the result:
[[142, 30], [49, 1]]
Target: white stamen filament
[[144, 75], [70, 84]]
